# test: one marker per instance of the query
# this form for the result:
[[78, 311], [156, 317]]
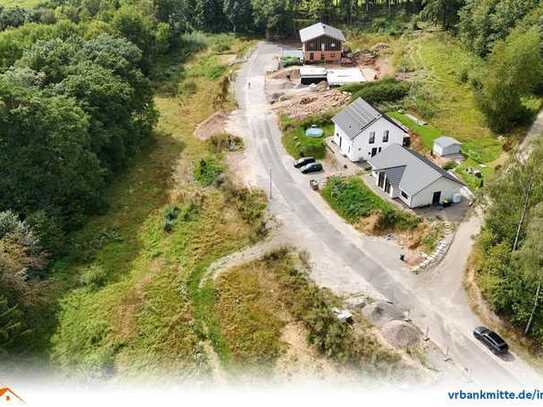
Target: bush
[[396, 219], [449, 165], [290, 61], [48, 230], [93, 277], [207, 171], [384, 90], [351, 198]]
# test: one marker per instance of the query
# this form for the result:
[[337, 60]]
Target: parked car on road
[[302, 162], [491, 340], [311, 167]]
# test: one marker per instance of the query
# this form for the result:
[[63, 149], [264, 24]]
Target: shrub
[[48, 230], [384, 90], [207, 171], [290, 61], [449, 165], [93, 276], [170, 215]]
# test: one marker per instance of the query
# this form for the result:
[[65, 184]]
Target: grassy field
[[257, 300], [129, 294]]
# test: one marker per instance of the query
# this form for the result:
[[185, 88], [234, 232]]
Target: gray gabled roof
[[445, 141], [357, 116], [320, 29], [418, 171]]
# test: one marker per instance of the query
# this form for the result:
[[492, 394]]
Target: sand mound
[[401, 334], [379, 313], [214, 124], [300, 106]]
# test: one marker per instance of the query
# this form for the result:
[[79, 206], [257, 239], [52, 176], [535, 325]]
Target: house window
[[405, 195], [372, 137], [333, 44], [385, 136]]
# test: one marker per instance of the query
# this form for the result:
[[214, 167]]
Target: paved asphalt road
[[435, 301]]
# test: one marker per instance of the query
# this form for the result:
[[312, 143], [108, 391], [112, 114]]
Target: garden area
[[351, 198], [298, 144]]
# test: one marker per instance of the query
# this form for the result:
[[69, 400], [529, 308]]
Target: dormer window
[[385, 136], [372, 137]]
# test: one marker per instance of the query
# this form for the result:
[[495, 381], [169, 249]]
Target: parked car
[[311, 167], [491, 340], [302, 162]]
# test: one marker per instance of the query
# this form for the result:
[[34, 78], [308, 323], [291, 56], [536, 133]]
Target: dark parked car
[[312, 167], [491, 340], [302, 162]]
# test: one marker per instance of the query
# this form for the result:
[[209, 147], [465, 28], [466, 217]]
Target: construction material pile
[[309, 103], [401, 334]]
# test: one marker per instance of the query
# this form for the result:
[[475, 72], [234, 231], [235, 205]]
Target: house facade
[[322, 43], [404, 174], [362, 132]]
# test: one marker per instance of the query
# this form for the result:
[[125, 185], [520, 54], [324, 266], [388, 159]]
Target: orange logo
[[9, 397]]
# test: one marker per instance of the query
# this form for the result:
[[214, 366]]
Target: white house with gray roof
[[362, 132], [411, 177]]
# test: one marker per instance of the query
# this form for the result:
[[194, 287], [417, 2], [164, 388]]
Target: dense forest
[[77, 104]]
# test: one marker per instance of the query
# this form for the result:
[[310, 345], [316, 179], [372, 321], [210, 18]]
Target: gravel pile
[[401, 334]]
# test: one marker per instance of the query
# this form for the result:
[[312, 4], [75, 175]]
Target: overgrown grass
[[442, 93], [21, 3], [144, 312], [257, 299], [353, 200], [298, 144]]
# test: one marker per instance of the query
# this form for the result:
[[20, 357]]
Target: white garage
[[445, 145]]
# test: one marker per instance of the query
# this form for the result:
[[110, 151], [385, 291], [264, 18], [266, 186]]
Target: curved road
[[436, 301]]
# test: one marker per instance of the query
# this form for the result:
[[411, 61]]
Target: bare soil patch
[[309, 103], [211, 126]]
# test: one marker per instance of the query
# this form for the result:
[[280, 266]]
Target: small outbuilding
[[444, 146]]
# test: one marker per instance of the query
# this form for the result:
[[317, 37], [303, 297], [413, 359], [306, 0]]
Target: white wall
[[344, 143], [447, 187], [440, 151], [359, 149]]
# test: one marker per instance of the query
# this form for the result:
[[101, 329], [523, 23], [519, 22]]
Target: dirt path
[[535, 131], [247, 255]]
